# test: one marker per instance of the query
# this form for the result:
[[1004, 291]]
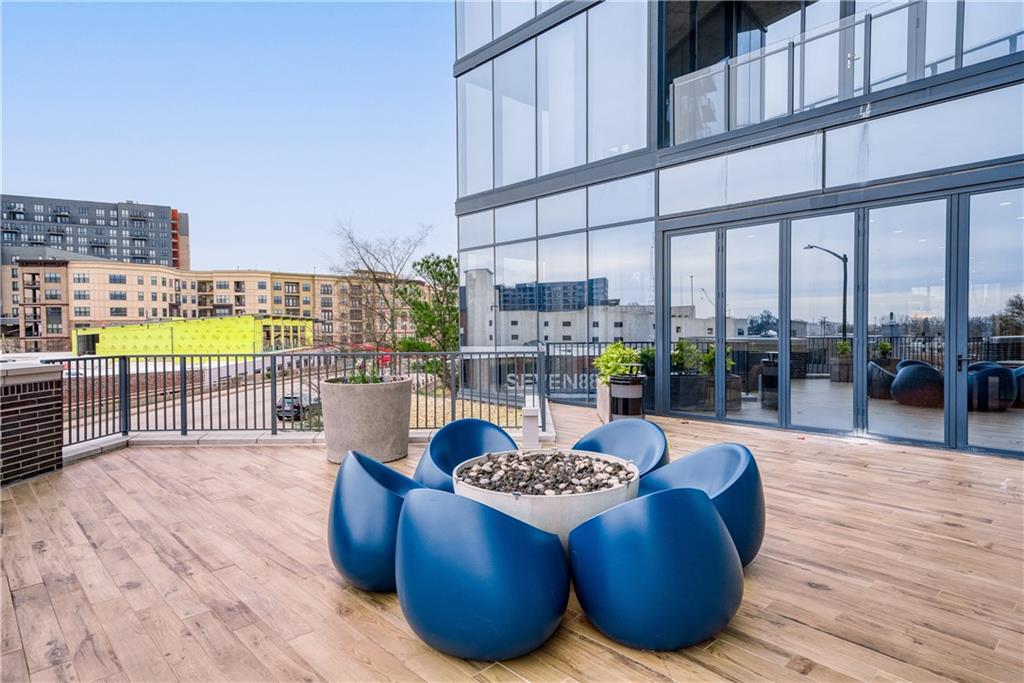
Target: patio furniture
[[474, 582], [363, 520], [918, 384], [981, 365], [728, 474], [991, 388], [455, 443], [879, 381], [650, 581], [1018, 374], [906, 363], [641, 442]]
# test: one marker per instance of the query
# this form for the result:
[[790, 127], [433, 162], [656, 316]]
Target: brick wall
[[31, 417]]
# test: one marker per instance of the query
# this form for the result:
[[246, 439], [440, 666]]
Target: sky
[[269, 123]]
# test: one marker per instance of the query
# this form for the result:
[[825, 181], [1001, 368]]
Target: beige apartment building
[[43, 300]]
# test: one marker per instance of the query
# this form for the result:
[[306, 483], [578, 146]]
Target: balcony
[[855, 56]]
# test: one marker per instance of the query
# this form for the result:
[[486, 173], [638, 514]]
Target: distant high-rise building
[[127, 231]]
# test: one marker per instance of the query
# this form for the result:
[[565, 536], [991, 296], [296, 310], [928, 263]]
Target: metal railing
[[107, 395], [828, 64]]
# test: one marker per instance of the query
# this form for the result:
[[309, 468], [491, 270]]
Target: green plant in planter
[[883, 349], [685, 356], [707, 361], [647, 360], [617, 359], [844, 349]]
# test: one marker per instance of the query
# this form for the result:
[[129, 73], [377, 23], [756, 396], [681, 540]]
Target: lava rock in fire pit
[[544, 473]]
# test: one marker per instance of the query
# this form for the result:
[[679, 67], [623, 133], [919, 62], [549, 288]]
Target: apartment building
[[127, 231], [46, 294], [820, 175]]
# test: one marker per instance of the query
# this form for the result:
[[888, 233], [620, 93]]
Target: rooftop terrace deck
[[881, 562]]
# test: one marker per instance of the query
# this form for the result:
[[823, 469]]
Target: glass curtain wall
[[752, 323], [514, 113], [906, 319], [562, 96], [516, 294], [476, 298], [822, 263], [995, 321], [474, 93], [621, 284], [692, 322], [562, 288]]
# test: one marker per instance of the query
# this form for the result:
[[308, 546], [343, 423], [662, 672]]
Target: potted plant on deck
[[883, 356], [840, 367], [368, 412], [620, 386]]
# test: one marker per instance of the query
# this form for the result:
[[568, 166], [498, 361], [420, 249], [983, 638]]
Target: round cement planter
[[555, 514], [370, 418]]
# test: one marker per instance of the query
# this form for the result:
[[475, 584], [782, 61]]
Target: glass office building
[[806, 214]]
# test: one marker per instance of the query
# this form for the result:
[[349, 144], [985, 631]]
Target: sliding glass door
[[692, 322]]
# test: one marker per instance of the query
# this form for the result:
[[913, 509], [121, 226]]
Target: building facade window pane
[[515, 221], [472, 25], [561, 96], [621, 200], [514, 116], [562, 212], [475, 131], [476, 229], [516, 294], [476, 282], [509, 14], [692, 322], [621, 283], [562, 288], [616, 78]]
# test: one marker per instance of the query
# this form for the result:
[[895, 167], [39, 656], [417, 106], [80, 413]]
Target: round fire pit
[[554, 490]]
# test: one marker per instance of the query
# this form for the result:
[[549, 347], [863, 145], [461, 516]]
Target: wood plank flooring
[[881, 563]]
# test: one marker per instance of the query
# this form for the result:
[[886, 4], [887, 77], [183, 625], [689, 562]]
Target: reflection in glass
[[476, 298], [906, 318], [562, 212], [992, 29], [621, 283], [621, 200], [995, 322], [475, 131], [476, 229], [515, 221], [514, 116], [692, 323], [562, 96], [616, 78], [889, 49], [472, 25], [821, 322], [752, 323], [516, 294], [760, 86], [562, 288], [510, 13]]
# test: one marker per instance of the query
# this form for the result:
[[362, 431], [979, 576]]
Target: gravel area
[[545, 473]]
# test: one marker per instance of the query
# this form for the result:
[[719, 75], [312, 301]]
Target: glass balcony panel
[[940, 37], [992, 29], [889, 49], [760, 87], [699, 104]]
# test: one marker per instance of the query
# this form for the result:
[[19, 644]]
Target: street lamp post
[[845, 260]]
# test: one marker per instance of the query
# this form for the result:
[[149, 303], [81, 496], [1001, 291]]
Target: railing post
[[273, 394], [124, 390], [183, 395], [542, 388], [454, 378]]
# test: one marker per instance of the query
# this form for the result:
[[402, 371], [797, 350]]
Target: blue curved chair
[[474, 582], [639, 441], [991, 388], [456, 443], [910, 362], [918, 385], [981, 365], [363, 520], [1018, 374], [879, 381], [728, 474], [658, 572]]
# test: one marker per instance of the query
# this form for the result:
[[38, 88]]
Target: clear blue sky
[[267, 122]]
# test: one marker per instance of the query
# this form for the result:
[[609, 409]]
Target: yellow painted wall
[[230, 334]]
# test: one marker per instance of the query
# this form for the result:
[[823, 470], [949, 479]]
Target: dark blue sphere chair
[[728, 474], [910, 362], [474, 582], [658, 572], [1018, 374], [918, 385], [879, 381], [639, 441], [456, 443], [362, 522], [991, 388]]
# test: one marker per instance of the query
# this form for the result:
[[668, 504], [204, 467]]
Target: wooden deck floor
[[881, 562]]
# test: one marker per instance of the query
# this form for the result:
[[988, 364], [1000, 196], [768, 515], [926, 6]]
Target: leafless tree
[[383, 264]]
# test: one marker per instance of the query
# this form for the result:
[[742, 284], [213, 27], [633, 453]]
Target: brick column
[[31, 420]]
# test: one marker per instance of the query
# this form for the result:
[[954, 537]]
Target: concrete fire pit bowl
[[557, 514]]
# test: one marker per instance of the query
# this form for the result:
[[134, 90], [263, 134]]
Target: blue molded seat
[[728, 474], [639, 441], [918, 385], [474, 582], [910, 362], [879, 381], [981, 365], [991, 388], [1018, 374], [456, 443], [363, 521], [658, 572]]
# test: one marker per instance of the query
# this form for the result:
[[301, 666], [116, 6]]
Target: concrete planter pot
[[370, 418], [840, 369], [622, 397]]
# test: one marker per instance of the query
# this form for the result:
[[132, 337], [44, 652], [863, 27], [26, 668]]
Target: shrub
[[844, 349], [617, 359], [883, 348], [685, 356]]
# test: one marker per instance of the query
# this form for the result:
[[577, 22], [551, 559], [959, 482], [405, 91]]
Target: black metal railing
[[280, 392]]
